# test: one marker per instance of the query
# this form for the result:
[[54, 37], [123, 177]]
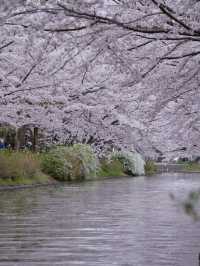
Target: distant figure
[[29, 145], [2, 144]]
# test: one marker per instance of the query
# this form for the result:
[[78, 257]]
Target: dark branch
[[6, 45], [140, 45], [111, 21], [28, 89], [181, 56], [69, 29], [168, 12]]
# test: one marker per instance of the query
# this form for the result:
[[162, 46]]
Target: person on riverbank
[[2, 144]]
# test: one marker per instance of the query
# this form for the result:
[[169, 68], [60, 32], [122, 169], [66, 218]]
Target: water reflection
[[112, 222]]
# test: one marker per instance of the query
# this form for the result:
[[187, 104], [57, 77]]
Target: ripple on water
[[126, 222]]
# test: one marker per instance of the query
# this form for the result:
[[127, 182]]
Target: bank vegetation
[[77, 162]]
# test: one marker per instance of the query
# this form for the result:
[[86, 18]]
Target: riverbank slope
[[65, 163]]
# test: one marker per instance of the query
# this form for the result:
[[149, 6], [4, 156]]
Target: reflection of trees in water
[[25, 201], [23, 214], [20, 210], [18, 202]]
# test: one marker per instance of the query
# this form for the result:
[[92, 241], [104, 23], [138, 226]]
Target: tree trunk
[[35, 138]]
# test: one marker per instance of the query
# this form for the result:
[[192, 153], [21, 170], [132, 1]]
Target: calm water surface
[[126, 222]]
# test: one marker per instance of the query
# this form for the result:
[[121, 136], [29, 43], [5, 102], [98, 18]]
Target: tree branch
[[28, 89], [140, 45], [168, 12], [181, 56], [111, 21], [6, 45]]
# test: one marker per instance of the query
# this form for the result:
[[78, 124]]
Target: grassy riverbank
[[150, 168], [21, 168], [73, 163], [191, 167]]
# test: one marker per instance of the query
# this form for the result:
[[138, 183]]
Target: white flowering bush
[[77, 162], [133, 162], [54, 164], [85, 156]]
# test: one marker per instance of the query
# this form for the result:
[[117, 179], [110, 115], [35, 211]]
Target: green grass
[[150, 168], [111, 168], [21, 168], [17, 181], [191, 167]]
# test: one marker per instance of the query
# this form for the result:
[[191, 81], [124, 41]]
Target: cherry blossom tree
[[117, 71]]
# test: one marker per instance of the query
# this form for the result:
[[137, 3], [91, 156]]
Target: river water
[[126, 222]]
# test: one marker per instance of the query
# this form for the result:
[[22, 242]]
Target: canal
[[125, 222]]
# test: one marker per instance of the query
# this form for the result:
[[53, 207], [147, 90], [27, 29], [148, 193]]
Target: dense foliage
[[133, 163], [111, 168], [77, 162], [65, 163]]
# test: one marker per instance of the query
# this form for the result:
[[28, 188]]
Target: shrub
[[110, 168], [75, 162], [54, 164], [133, 163], [150, 167], [83, 160]]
